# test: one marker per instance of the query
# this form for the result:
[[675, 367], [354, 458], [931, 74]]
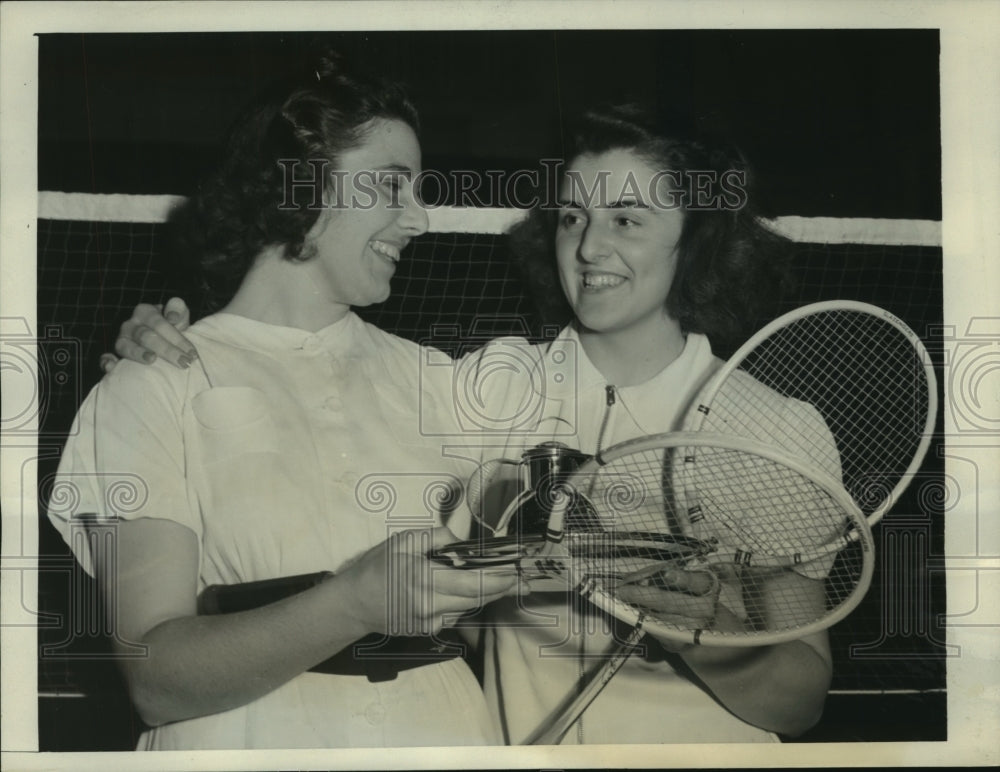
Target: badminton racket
[[651, 528], [843, 385]]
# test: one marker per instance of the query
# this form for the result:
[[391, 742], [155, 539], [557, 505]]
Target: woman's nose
[[594, 246], [414, 217]]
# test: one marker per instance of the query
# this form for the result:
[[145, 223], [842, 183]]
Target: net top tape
[[128, 208]]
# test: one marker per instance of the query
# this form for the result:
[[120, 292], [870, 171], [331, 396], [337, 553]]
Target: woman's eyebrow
[[394, 168], [628, 203], [621, 203]]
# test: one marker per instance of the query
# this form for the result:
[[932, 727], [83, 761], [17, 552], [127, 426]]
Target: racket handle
[[553, 730]]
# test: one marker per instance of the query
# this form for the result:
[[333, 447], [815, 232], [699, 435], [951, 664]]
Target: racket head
[[489, 552], [843, 384], [527, 555], [790, 551]]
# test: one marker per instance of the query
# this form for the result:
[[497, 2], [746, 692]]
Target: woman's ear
[[331, 193], [334, 190], [333, 197], [323, 220]]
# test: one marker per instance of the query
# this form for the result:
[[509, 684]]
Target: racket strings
[[885, 359], [709, 539], [778, 534], [865, 380]]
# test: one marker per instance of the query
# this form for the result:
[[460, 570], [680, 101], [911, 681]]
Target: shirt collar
[[565, 354], [252, 334]]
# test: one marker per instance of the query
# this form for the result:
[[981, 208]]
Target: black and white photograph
[[514, 385]]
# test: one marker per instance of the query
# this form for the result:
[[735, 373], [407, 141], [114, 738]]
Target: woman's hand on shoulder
[[154, 331]]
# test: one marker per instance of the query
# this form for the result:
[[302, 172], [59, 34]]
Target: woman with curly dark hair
[[656, 251], [250, 464], [730, 268]]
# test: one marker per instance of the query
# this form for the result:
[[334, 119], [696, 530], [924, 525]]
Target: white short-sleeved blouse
[[286, 452], [541, 645]]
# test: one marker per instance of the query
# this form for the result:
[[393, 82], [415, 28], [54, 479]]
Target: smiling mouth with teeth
[[602, 280], [386, 250]]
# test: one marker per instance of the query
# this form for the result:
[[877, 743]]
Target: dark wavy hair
[[731, 268], [246, 204]]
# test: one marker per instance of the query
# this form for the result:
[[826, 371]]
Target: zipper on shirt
[[609, 398]]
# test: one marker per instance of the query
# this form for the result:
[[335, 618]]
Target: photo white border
[[970, 126]]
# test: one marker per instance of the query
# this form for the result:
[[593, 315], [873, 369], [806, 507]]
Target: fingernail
[[173, 316], [148, 357], [184, 362], [192, 354]]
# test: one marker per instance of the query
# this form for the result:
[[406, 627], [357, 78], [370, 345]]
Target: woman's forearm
[[197, 665], [781, 688]]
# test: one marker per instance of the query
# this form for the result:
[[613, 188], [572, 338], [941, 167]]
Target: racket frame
[[700, 407], [553, 729], [860, 532]]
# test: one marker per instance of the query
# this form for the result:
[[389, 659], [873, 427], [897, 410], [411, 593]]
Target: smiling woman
[[355, 242], [362, 149], [254, 461], [641, 194], [648, 274], [617, 258]]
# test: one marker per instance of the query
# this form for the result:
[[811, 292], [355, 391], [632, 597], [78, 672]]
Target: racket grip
[[552, 731]]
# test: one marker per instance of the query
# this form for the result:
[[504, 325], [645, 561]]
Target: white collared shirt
[[542, 644], [285, 452]]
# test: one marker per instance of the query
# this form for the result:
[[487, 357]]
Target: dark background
[[836, 123]]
